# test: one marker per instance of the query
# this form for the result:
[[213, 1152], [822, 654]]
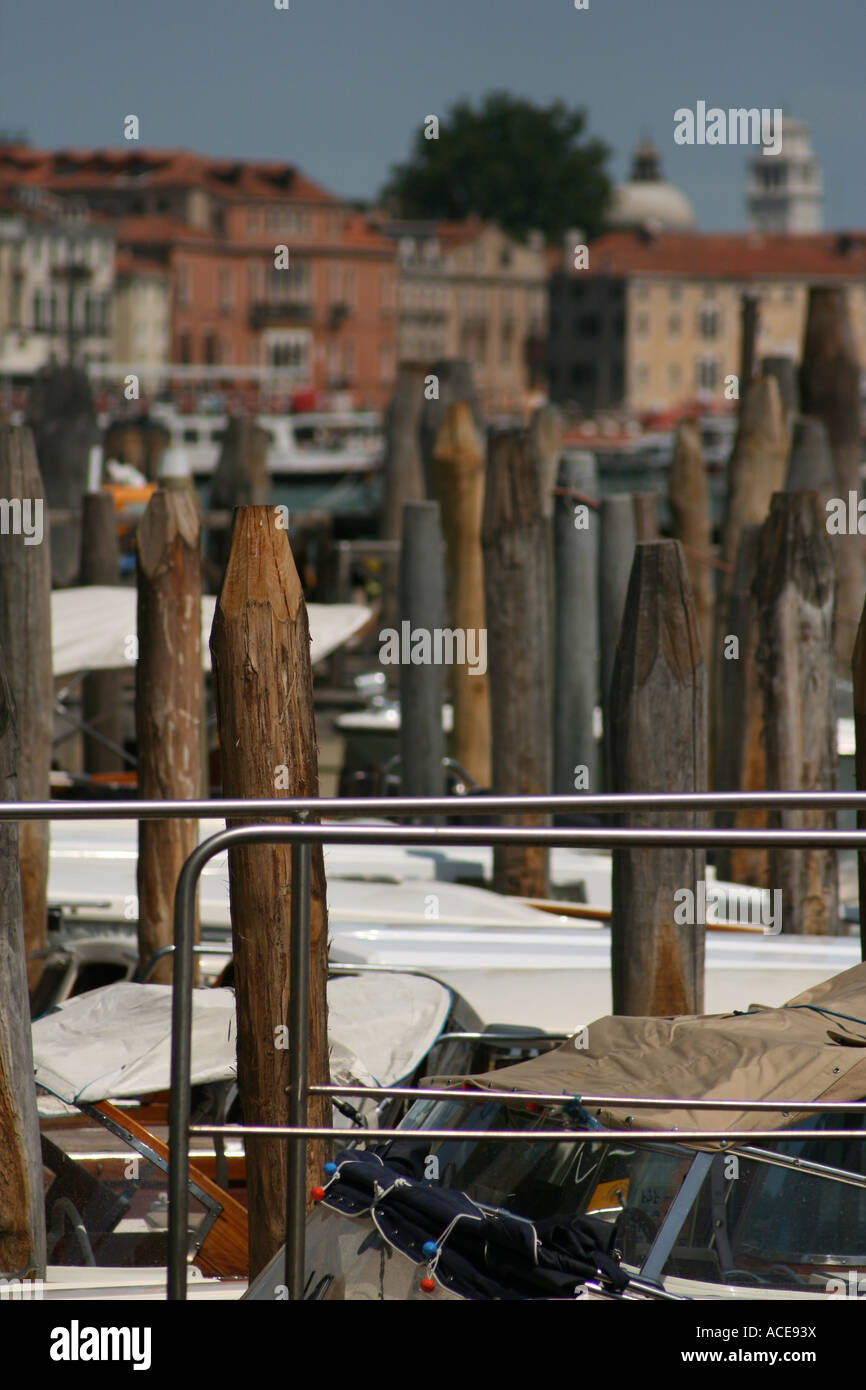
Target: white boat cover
[[92, 627], [115, 1042]]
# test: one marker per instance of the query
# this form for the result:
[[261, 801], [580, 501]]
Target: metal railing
[[302, 837]]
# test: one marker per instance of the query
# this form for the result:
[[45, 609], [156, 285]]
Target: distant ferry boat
[[330, 462]]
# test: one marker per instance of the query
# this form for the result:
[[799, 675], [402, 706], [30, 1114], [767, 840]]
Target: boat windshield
[[755, 1219]]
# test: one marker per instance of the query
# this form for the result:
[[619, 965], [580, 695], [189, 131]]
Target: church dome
[[646, 200]]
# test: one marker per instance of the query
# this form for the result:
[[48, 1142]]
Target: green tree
[[509, 161]]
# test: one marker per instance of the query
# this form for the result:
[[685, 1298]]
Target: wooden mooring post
[[22, 1201], [757, 465], [25, 636], [688, 498], [168, 703], [516, 537], [458, 483], [62, 417], [422, 676], [794, 589], [576, 756], [403, 472], [830, 390], [858, 671], [658, 740], [264, 692], [102, 692], [739, 762], [617, 540]]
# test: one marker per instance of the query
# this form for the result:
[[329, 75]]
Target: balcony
[[286, 313]]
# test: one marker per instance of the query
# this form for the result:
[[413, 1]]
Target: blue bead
[[429, 1248], [330, 1168]]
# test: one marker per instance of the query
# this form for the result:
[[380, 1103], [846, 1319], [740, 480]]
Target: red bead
[[427, 1285], [532, 1107], [317, 1193]]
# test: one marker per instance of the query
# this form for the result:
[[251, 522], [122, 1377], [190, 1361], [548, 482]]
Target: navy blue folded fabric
[[482, 1252]]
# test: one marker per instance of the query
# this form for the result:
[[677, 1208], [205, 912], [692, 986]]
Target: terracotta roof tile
[[733, 255]]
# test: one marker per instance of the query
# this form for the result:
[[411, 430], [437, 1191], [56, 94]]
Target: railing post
[[181, 1064], [299, 1042]]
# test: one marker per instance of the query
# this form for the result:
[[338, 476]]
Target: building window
[[584, 374], [641, 292], [642, 373], [706, 373], [52, 310], [37, 311], [225, 289], [675, 293], [589, 325], [709, 291], [252, 221], [211, 350], [183, 286], [642, 325], [708, 323], [674, 375], [386, 363], [349, 288], [675, 324], [185, 348]]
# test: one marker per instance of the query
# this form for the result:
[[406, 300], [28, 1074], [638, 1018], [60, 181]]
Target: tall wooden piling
[[757, 465], [101, 691], [646, 516], [738, 761], [516, 540], [810, 465], [449, 380], [422, 677], [576, 640], [830, 390], [458, 483], [617, 540], [403, 471], [240, 479], [264, 692], [22, 1202], [62, 417], [25, 636], [688, 498], [168, 703], [794, 589], [659, 743]]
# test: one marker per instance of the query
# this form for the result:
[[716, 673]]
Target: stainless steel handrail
[[301, 838]]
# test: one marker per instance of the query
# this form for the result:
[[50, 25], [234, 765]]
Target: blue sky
[[339, 86]]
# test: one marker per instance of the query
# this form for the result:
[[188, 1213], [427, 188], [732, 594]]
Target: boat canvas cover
[[811, 1049], [115, 1042], [92, 628]]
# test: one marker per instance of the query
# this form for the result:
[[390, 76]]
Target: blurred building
[[467, 289], [56, 282], [785, 191], [654, 321], [211, 227]]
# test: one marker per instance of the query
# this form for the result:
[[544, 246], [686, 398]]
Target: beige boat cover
[[812, 1048]]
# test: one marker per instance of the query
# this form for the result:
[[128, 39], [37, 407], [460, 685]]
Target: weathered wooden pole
[[449, 380], [516, 540], [830, 390], [576, 757], [63, 421], [738, 761], [858, 667], [264, 692], [810, 466], [659, 743], [168, 703], [458, 483], [646, 518], [784, 369], [22, 1202], [615, 555], [240, 479], [101, 691], [757, 465], [794, 589], [403, 471], [422, 676], [688, 498], [750, 305], [25, 636]]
